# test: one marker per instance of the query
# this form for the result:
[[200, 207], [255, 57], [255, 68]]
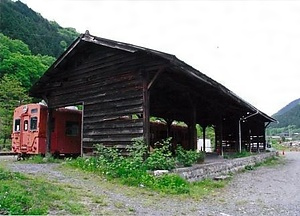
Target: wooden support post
[[204, 128], [146, 109], [49, 130], [192, 130], [81, 130], [216, 138], [262, 134], [239, 140], [249, 140], [169, 123], [264, 138], [221, 137]]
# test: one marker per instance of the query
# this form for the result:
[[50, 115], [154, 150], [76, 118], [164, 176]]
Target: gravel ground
[[264, 191]]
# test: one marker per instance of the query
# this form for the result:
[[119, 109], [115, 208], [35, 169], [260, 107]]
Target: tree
[[16, 61], [18, 21], [27, 69], [12, 95]]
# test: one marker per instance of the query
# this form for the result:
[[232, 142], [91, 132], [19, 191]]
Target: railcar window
[[33, 123], [34, 110], [72, 128], [25, 125], [17, 125]]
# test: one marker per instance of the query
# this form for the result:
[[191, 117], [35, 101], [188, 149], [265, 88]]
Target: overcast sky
[[251, 47]]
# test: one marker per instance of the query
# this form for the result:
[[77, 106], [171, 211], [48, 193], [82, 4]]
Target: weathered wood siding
[[109, 84]]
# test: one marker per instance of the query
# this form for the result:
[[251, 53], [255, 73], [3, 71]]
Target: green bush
[[188, 157], [109, 160], [137, 154], [172, 184], [161, 157], [5, 147], [133, 169]]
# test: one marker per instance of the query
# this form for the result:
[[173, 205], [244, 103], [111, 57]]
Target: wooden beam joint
[[155, 77]]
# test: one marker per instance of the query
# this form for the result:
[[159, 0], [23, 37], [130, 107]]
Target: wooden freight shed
[[121, 85]]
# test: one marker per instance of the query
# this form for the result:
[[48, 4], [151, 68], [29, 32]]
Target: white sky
[[251, 47]]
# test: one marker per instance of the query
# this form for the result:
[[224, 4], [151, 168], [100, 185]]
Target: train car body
[[30, 129], [159, 131]]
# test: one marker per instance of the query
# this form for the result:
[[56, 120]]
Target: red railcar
[[30, 128], [159, 131]]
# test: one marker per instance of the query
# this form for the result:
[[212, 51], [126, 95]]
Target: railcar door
[[25, 136], [16, 138]]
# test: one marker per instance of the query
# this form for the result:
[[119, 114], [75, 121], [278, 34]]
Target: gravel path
[[264, 191]]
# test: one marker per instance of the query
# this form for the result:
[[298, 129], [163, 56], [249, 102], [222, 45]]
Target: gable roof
[[130, 48]]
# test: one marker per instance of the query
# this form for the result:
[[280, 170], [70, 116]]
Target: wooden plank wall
[[257, 137], [110, 86]]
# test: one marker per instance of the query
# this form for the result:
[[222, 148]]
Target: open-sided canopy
[[177, 85], [117, 81]]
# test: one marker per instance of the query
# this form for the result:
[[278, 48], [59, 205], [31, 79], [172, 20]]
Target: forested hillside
[[288, 119], [288, 115], [29, 44], [288, 107], [17, 21], [17, 62], [292, 117], [19, 69]]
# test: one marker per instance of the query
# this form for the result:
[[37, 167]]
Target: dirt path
[[264, 191]]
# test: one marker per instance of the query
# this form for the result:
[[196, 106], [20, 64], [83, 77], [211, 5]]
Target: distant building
[[208, 146], [276, 137]]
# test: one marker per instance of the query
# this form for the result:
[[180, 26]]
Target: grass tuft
[[272, 161], [21, 195], [39, 159], [241, 154]]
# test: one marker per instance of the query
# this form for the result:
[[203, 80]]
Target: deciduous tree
[[11, 96]]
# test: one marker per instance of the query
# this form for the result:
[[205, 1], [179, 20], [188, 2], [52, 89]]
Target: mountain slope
[[291, 117], [288, 115], [287, 107], [17, 21]]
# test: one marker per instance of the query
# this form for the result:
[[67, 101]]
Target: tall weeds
[[134, 168]]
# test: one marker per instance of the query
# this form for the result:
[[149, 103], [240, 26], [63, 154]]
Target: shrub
[[137, 153], [132, 170], [188, 157], [172, 184], [161, 157]]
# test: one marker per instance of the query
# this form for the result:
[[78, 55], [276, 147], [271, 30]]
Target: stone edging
[[201, 171]]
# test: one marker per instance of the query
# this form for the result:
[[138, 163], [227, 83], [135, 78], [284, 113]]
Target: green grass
[[269, 162], [280, 147], [133, 169], [206, 187], [168, 184], [272, 161], [22, 195], [238, 155], [5, 147], [39, 159]]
